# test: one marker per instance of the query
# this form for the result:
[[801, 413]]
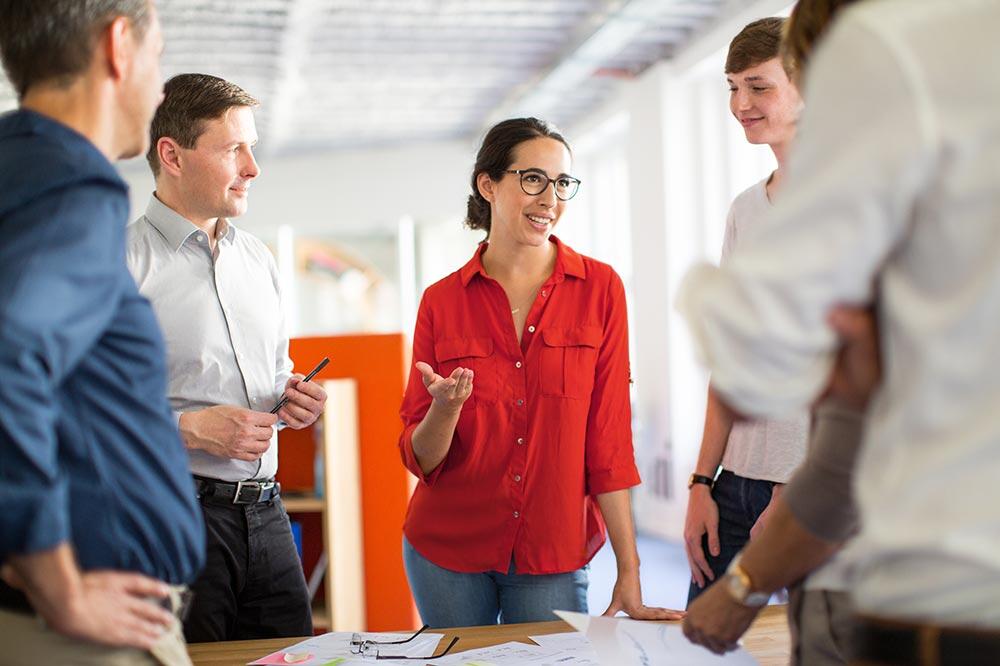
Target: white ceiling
[[361, 73]]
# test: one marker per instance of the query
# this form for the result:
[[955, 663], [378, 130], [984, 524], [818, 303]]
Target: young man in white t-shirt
[[757, 457]]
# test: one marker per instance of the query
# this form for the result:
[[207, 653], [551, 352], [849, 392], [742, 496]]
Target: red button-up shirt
[[547, 427]]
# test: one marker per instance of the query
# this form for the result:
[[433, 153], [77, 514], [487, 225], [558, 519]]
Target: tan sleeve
[[819, 495]]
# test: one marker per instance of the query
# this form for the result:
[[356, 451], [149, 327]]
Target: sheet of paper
[[625, 642], [571, 644], [516, 654], [566, 639], [334, 649]]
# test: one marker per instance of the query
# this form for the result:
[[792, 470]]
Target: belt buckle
[[240, 485]]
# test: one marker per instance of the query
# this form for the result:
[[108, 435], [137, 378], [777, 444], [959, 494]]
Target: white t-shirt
[[893, 192], [768, 449]]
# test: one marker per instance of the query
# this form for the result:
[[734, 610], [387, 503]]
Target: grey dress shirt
[[222, 319]]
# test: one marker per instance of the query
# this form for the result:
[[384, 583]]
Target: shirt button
[[520, 440], [520, 402], [517, 365], [531, 329], [517, 515], [517, 478], [201, 238], [544, 294]]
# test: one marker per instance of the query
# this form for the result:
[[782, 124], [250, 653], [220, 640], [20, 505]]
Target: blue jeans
[[452, 599], [740, 501]]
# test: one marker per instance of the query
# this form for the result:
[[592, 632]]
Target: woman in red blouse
[[517, 421]]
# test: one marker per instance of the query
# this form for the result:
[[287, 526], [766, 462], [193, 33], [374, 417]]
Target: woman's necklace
[[514, 311]]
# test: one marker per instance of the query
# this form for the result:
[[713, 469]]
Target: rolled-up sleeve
[[60, 284], [416, 400], [819, 495], [610, 458], [759, 323]]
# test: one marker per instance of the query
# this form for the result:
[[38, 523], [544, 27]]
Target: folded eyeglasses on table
[[370, 648]]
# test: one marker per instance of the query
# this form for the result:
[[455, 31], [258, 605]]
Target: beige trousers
[[24, 639], [821, 623]]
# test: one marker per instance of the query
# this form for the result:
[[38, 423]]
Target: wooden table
[[767, 640]]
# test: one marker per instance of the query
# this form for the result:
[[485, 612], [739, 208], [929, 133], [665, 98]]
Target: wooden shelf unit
[[303, 503]]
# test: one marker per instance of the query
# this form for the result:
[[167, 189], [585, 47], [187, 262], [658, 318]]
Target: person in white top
[[893, 197], [757, 457], [815, 513]]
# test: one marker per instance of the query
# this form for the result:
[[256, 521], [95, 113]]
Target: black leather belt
[[238, 492], [888, 642]]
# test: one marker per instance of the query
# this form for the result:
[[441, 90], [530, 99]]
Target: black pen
[[284, 400]]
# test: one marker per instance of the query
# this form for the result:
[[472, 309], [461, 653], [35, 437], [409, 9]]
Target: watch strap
[[700, 478], [740, 586]]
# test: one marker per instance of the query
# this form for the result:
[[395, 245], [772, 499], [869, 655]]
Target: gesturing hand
[[450, 392]]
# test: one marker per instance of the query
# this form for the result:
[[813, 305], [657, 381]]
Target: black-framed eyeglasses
[[534, 182], [370, 648]]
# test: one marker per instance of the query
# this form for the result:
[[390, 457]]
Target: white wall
[[346, 192]]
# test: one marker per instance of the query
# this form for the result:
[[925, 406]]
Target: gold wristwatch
[[740, 587]]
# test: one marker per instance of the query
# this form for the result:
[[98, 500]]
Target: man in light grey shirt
[[215, 291]]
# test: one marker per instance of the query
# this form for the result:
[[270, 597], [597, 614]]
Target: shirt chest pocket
[[475, 354], [567, 361], [251, 302]]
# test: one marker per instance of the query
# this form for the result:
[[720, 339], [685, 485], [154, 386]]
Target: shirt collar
[[176, 228], [568, 262]]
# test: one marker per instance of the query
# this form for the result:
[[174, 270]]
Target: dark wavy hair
[[495, 156]]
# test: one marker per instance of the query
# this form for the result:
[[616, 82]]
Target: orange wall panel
[[378, 364]]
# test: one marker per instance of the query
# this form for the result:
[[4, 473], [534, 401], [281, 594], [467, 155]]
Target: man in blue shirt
[[99, 527]]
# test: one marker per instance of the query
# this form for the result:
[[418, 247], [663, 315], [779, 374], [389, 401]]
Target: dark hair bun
[[477, 215]]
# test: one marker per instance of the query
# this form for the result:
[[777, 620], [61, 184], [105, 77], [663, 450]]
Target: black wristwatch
[[700, 478]]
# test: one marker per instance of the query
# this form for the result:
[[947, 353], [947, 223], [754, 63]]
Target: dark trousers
[[886, 642], [740, 501], [252, 585]]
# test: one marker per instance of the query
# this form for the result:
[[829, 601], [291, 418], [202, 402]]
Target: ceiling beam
[[293, 52], [599, 37]]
